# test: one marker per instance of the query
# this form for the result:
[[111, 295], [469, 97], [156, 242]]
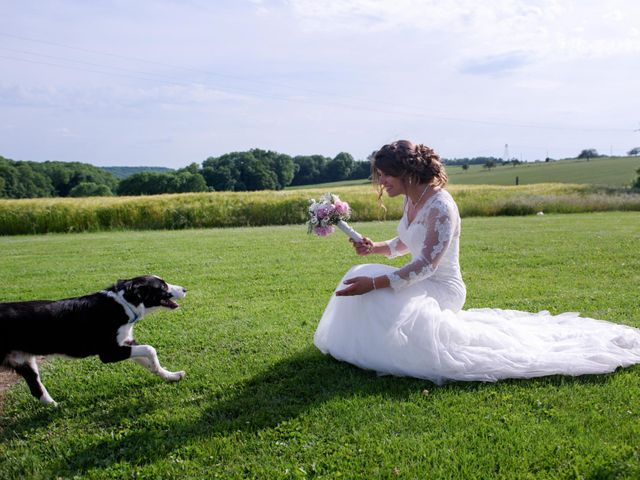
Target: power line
[[179, 67], [225, 89], [160, 78]]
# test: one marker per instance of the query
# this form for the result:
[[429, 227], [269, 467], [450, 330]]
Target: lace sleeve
[[396, 247], [437, 227]]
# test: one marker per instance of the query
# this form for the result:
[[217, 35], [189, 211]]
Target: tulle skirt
[[407, 333]]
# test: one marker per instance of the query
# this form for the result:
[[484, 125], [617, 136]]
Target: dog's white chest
[[125, 334]]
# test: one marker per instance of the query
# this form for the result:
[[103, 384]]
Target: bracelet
[[373, 281]]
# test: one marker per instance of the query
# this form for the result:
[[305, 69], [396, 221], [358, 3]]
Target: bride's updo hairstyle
[[416, 163]]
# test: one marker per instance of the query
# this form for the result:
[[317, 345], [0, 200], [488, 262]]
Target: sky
[[172, 82]]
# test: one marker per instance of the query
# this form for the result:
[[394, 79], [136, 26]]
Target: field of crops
[[231, 209]]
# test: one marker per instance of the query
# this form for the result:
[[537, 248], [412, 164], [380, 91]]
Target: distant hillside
[[124, 172], [605, 171], [609, 171]]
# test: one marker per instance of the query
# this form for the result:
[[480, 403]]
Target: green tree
[[66, 175], [361, 170], [588, 153], [8, 175], [489, 164], [220, 178], [191, 168], [285, 170], [339, 168], [186, 181], [255, 175], [470, 161], [221, 173], [242, 171], [21, 180], [634, 151], [310, 169], [90, 189], [282, 165], [144, 183], [150, 183]]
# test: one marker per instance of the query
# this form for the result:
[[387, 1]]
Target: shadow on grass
[[283, 392]]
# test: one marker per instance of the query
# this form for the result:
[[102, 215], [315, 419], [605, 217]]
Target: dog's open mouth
[[168, 303]]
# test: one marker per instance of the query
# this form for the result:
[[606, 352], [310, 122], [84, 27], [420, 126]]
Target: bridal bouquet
[[330, 211]]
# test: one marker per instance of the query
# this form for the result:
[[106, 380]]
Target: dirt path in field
[[7, 380]]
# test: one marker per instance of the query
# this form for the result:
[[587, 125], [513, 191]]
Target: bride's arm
[[439, 227], [360, 285], [393, 248], [390, 248]]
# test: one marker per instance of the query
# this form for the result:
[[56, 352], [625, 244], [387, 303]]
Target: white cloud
[[556, 28]]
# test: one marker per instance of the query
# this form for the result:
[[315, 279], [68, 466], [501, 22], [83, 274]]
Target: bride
[[409, 321]]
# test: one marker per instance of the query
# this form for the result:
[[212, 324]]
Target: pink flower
[[324, 231], [324, 211], [342, 208]]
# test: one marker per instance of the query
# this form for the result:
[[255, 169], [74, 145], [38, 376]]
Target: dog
[[97, 324]]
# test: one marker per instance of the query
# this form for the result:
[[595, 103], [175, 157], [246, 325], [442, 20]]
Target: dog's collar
[[119, 297]]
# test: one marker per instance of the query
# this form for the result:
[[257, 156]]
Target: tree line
[[24, 179], [251, 170]]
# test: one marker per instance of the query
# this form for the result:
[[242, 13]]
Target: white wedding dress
[[417, 328]]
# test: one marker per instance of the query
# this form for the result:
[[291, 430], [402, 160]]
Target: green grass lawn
[[259, 401], [609, 171]]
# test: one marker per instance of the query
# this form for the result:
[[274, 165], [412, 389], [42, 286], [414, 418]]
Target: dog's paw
[[46, 399], [175, 376]]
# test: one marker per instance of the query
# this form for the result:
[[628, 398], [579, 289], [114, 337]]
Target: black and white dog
[[98, 324]]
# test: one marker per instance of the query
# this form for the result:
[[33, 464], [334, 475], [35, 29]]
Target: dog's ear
[[132, 290], [127, 286]]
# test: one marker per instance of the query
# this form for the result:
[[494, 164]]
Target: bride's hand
[[356, 286], [365, 247]]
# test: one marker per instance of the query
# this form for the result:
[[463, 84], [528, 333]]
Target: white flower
[[326, 198]]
